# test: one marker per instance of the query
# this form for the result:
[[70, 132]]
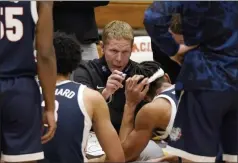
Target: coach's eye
[[114, 51]]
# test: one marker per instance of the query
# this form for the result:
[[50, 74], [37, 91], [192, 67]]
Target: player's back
[[17, 32], [168, 94], [73, 125]]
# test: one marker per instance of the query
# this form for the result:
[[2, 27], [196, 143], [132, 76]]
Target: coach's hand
[[114, 82], [49, 119], [135, 92]]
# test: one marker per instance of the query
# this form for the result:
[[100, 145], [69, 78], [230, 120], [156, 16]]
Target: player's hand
[[114, 82], [178, 58], [135, 92], [183, 49], [49, 120]]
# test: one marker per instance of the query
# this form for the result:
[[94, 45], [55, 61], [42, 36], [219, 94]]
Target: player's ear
[[167, 78]]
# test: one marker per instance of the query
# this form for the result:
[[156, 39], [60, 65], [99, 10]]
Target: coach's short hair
[[68, 52], [176, 24], [117, 30]]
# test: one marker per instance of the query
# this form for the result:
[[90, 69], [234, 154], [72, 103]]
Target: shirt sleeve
[[81, 75], [194, 21], [157, 21], [158, 18]]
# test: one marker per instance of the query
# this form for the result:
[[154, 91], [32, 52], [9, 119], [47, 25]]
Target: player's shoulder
[[160, 103], [158, 106], [147, 110], [92, 95], [146, 117]]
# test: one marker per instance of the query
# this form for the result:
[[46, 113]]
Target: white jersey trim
[[87, 122], [173, 112], [62, 82], [230, 158], [23, 157], [34, 12]]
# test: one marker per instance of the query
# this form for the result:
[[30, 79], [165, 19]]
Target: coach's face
[[117, 53]]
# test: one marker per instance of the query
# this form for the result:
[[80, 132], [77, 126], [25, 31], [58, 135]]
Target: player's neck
[[163, 87], [61, 78]]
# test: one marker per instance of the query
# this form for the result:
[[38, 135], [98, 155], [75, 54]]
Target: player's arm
[[104, 130], [183, 49], [135, 142], [127, 124], [46, 62], [161, 12]]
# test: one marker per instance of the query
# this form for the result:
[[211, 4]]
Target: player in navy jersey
[[156, 117], [20, 110], [208, 81], [78, 108]]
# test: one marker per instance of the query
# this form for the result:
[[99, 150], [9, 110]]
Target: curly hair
[[147, 69], [68, 52]]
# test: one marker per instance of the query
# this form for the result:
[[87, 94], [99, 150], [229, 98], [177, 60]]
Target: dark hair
[[176, 24], [147, 69], [68, 52]]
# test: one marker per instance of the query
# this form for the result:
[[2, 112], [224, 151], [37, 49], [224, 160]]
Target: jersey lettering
[[65, 92], [13, 29]]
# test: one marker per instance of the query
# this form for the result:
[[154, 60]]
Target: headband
[[156, 75]]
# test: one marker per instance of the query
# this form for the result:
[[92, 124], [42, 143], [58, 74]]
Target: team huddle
[[128, 105]]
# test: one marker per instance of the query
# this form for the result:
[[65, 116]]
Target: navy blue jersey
[[168, 94], [213, 25], [73, 125], [17, 32]]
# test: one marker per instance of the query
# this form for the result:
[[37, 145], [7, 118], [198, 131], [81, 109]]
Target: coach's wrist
[[106, 94]]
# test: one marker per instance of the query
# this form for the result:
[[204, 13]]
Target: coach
[[108, 74]]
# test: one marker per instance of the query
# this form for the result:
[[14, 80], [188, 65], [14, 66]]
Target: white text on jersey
[[65, 92]]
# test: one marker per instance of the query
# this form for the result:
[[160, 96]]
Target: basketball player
[[176, 31], [208, 81], [78, 108], [19, 93], [157, 116]]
